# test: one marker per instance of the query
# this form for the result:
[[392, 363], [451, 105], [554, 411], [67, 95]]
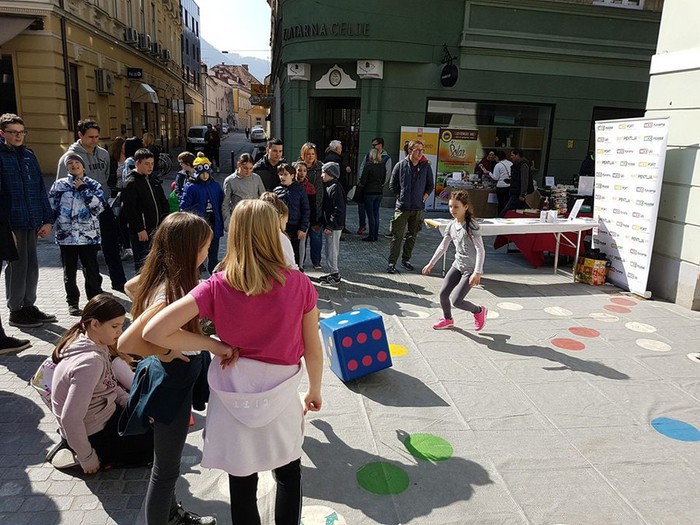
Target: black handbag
[[359, 196]]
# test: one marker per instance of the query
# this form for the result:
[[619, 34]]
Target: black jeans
[[122, 451], [109, 230], [514, 203], [243, 494], [213, 254], [293, 234], [140, 250], [87, 253]]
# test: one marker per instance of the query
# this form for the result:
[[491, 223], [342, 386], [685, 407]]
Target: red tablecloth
[[533, 245]]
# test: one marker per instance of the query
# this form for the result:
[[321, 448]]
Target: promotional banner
[[629, 166], [457, 153], [430, 138]]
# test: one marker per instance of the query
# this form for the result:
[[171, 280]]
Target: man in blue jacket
[[412, 182], [22, 191]]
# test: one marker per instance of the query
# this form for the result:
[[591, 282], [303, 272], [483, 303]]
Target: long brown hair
[[101, 308], [463, 197], [115, 148], [254, 256], [171, 263]]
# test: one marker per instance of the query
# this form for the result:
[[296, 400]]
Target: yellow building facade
[[115, 61]]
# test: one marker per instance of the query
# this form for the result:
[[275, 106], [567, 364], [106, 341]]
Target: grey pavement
[[531, 432]]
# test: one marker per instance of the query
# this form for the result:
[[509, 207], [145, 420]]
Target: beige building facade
[[116, 61], [241, 79]]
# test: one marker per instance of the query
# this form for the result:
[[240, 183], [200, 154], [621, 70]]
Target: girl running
[[467, 268]]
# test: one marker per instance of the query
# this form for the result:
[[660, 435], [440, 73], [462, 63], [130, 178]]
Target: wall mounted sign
[[134, 72], [449, 75], [336, 29]]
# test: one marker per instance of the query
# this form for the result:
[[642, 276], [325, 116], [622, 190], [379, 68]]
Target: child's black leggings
[[455, 287], [243, 493]]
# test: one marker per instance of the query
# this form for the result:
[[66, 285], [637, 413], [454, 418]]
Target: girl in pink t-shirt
[[266, 316]]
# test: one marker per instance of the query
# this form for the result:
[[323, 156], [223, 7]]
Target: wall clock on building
[[335, 77]]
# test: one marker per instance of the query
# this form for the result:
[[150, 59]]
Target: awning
[[142, 93], [11, 26]]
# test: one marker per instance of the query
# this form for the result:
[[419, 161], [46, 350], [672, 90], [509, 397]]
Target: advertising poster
[[430, 137], [629, 166], [457, 152]]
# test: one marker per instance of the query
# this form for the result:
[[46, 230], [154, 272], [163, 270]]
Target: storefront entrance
[[336, 118]]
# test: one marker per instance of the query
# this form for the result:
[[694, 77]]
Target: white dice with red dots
[[355, 344]]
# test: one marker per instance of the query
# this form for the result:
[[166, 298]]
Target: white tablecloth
[[526, 225]]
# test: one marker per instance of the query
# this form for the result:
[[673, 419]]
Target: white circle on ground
[[492, 314], [320, 515], [369, 307], [653, 345], [266, 484], [558, 310], [510, 306], [640, 327], [694, 356], [605, 318]]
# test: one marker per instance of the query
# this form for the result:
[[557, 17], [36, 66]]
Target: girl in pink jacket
[[87, 399]]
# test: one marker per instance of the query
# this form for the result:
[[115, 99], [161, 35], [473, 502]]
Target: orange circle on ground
[[617, 309], [623, 302], [568, 344], [584, 332]]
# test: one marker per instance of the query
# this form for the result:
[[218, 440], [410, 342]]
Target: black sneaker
[[407, 265], [33, 312], [391, 268], [12, 344], [20, 319], [332, 279], [183, 517], [74, 310]]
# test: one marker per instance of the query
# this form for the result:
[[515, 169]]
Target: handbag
[[42, 379], [116, 205], [359, 195]]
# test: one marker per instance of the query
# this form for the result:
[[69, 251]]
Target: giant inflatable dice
[[355, 343]]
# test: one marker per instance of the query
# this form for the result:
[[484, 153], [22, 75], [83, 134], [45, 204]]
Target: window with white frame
[[629, 4]]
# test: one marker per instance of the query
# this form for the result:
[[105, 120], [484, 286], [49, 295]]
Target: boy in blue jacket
[[204, 197], [333, 219], [294, 196]]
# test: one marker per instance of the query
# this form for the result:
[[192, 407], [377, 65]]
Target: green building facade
[[532, 74]]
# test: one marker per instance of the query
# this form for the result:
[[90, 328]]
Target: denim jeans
[[371, 205], [316, 243]]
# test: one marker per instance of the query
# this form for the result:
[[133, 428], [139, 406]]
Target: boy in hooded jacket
[[334, 209]]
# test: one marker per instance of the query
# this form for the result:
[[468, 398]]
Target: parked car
[[224, 127], [195, 139], [257, 134]]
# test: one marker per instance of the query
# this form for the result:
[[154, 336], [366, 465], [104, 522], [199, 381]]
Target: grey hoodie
[[96, 165]]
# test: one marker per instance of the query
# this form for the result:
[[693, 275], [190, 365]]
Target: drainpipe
[[66, 67]]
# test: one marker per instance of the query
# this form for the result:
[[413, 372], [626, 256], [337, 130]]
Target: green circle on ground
[[382, 478], [428, 447]]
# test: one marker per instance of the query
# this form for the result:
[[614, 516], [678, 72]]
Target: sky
[[238, 26]]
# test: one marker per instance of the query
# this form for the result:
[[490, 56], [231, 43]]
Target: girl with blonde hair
[[254, 419]]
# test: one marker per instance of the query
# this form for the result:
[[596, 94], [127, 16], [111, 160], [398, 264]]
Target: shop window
[[630, 4], [501, 126], [8, 101]]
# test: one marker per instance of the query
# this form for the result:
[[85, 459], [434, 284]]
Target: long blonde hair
[[254, 255]]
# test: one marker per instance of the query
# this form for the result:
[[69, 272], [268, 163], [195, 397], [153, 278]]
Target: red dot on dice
[[367, 360], [347, 342], [362, 337], [376, 334], [352, 365], [381, 356]]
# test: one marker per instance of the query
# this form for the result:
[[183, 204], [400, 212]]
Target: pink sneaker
[[443, 323], [480, 319]]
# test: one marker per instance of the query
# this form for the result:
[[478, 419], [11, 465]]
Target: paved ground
[[544, 417]]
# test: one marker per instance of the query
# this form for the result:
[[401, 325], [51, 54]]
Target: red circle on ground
[[352, 365], [623, 302], [376, 334], [347, 342], [362, 337], [367, 360], [568, 344], [381, 356], [617, 309], [584, 332]]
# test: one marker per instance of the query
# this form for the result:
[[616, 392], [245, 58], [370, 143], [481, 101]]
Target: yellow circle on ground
[[397, 350]]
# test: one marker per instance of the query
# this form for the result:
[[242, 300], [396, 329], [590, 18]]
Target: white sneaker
[[65, 458]]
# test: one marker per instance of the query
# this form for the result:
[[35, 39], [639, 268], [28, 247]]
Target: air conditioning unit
[[144, 42], [104, 82], [165, 56], [156, 49], [131, 36]]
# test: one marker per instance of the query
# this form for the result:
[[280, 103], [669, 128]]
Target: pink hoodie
[[84, 394]]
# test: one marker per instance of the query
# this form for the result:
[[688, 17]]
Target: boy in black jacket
[[294, 196], [333, 219], [144, 205]]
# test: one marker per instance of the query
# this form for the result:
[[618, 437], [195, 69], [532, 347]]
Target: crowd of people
[[111, 410]]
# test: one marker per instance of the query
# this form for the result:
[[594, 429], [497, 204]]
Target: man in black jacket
[[144, 206], [333, 219], [266, 167], [520, 182]]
